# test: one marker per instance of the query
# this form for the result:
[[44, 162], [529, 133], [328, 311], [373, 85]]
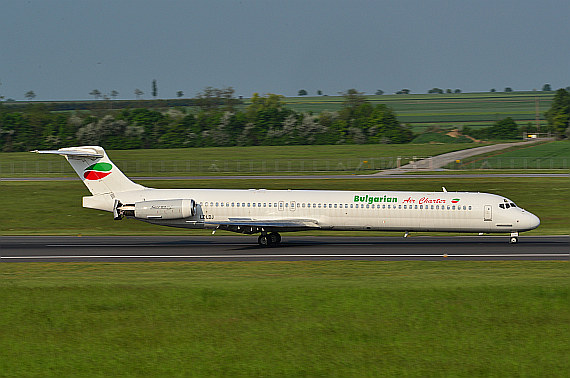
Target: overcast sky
[[65, 49]]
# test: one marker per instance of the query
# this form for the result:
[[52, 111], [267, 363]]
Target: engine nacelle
[[165, 209]]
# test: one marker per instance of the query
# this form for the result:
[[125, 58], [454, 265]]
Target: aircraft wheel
[[263, 241], [514, 240], [274, 239]]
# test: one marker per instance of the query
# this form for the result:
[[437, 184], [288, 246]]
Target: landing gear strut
[[514, 238], [269, 240]]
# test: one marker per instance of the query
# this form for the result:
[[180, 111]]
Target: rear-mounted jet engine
[[159, 209]]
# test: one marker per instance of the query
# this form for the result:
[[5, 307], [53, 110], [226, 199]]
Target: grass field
[[289, 319], [465, 109], [551, 155], [250, 160], [54, 208]]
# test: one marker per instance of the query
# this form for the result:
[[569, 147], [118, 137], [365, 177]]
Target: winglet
[[444, 190]]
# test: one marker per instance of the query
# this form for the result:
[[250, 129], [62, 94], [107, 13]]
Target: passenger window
[[335, 205], [513, 205], [243, 204], [469, 207], [351, 205], [464, 208], [416, 207], [405, 207], [437, 207], [286, 204], [253, 204], [502, 206], [269, 204], [383, 206], [432, 207], [400, 207], [264, 204], [367, 206]]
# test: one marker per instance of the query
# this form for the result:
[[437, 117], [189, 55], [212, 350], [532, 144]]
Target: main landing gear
[[514, 238], [269, 240]]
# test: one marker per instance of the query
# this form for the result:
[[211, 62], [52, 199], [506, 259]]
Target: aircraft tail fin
[[97, 171]]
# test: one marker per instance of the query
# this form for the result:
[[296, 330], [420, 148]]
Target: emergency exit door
[[488, 213]]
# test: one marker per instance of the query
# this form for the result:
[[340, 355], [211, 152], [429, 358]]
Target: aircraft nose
[[531, 221]]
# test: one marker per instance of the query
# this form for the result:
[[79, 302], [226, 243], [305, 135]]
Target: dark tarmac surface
[[293, 248]]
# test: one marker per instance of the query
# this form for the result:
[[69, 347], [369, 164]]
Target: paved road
[[244, 248], [442, 160]]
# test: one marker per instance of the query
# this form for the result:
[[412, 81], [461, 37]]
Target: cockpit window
[[507, 205]]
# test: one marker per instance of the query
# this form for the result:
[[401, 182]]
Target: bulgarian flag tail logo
[[455, 200], [97, 171]]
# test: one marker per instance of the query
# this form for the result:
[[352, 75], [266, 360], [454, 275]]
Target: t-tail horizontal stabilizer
[[97, 171]]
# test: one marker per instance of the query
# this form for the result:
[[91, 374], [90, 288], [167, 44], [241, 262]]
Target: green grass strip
[[285, 319]]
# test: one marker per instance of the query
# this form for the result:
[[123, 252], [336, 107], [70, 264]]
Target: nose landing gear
[[514, 238], [269, 240]]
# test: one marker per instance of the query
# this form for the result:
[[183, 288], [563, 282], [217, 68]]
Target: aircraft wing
[[269, 224]]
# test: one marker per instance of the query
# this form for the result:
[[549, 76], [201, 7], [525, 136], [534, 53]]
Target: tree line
[[219, 119], [217, 122]]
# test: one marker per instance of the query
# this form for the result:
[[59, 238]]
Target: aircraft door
[[292, 206], [488, 213], [281, 206]]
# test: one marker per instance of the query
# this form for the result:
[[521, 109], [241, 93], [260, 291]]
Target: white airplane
[[269, 212]]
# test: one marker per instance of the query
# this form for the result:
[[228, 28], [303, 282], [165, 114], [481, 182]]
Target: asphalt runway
[[293, 248]]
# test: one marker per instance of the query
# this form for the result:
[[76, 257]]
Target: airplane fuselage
[[346, 210]]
